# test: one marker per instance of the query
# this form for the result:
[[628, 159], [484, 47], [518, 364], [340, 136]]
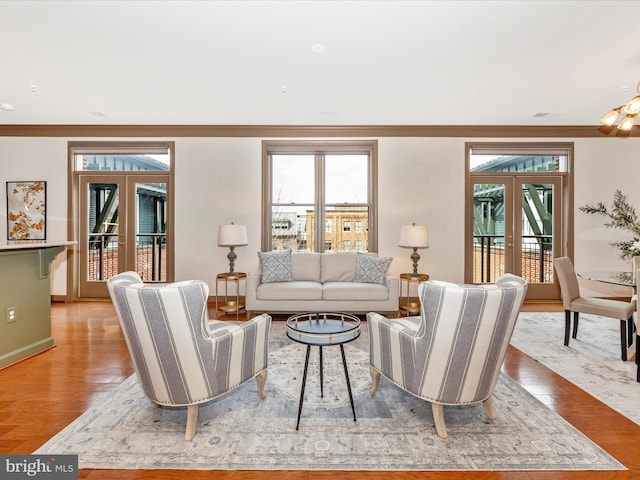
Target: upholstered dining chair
[[636, 316], [453, 352], [182, 358], [573, 302]]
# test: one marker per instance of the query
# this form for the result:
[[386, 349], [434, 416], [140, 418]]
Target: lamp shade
[[626, 123], [232, 235], [414, 236]]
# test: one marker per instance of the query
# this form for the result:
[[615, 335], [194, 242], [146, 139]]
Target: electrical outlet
[[11, 314]]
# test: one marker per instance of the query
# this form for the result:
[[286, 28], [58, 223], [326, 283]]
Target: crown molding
[[306, 131]]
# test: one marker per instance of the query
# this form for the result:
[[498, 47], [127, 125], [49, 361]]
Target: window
[[121, 212], [516, 208], [358, 245], [317, 186], [117, 158]]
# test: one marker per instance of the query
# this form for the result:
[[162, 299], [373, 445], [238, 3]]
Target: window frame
[[320, 149]]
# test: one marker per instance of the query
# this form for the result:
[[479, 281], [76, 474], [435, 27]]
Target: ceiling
[[534, 63]]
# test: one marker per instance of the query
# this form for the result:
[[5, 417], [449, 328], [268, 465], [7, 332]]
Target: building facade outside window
[[312, 186]]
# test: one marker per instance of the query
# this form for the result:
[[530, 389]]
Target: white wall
[[218, 180]]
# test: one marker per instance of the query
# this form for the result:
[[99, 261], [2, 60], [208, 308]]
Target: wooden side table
[[231, 303], [406, 303]]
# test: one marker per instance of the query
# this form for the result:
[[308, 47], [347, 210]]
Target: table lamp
[[414, 236], [232, 236]]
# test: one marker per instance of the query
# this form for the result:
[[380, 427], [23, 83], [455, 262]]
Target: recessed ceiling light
[[7, 107], [318, 48]]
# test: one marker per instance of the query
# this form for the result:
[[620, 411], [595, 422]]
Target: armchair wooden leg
[[489, 408], [192, 422], [438, 417], [576, 318], [261, 378], [375, 380]]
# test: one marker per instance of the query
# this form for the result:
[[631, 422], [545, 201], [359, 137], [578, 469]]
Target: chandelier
[[630, 109]]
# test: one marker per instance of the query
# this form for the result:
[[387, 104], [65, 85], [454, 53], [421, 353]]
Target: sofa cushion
[[301, 290], [371, 268], [337, 267], [306, 266], [354, 291], [275, 266]]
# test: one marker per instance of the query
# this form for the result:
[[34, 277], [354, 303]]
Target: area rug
[[393, 431], [591, 361]]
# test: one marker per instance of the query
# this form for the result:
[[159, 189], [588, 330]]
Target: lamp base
[[231, 256], [415, 256]]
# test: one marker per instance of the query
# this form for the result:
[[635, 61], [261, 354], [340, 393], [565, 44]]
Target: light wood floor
[[41, 395]]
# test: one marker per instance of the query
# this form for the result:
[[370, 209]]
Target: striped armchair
[[453, 352], [181, 357]]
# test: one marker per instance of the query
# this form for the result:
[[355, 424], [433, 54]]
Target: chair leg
[[261, 378], [489, 408], [192, 422], [576, 318], [567, 327], [375, 380], [623, 339], [438, 417], [637, 357]]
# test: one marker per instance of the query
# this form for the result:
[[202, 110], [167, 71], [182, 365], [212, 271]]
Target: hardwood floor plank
[[43, 394]]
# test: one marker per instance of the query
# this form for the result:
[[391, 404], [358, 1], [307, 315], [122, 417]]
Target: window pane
[[537, 232], [293, 179], [517, 163], [151, 237], [121, 162], [342, 239], [488, 232], [292, 228], [101, 245], [346, 179]]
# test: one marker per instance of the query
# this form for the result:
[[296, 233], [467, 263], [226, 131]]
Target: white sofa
[[332, 282]]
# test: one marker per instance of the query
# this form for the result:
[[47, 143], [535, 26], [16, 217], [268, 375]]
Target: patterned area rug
[[591, 361], [393, 431]]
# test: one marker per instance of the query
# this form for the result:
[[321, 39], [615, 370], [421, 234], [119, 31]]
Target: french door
[[123, 226], [515, 227]]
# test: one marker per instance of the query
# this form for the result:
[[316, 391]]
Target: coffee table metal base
[[304, 381]]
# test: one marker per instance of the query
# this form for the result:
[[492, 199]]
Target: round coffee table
[[323, 330]]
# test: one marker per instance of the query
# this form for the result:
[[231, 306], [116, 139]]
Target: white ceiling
[[519, 62]]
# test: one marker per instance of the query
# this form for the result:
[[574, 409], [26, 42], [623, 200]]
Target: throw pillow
[[275, 267], [371, 268]]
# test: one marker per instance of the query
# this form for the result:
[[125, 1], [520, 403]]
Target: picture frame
[[26, 210]]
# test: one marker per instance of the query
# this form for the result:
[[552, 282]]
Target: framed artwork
[[26, 210]]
